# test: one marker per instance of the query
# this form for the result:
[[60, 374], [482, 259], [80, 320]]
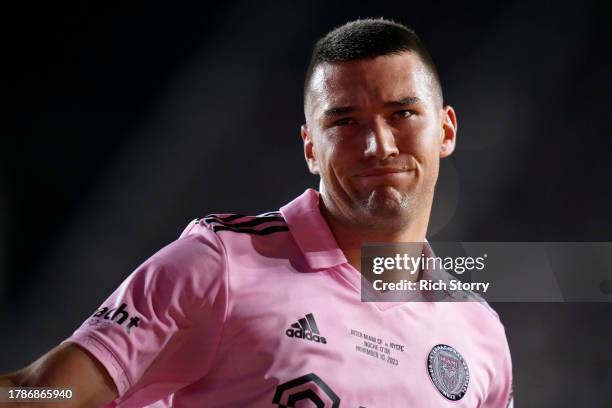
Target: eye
[[344, 122], [402, 114]]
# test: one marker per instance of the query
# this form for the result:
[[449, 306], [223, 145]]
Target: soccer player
[[265, 311]]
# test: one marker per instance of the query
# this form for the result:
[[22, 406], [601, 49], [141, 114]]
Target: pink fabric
[[216, 309]]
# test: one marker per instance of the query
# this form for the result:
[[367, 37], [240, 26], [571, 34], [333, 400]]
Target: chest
[[311, 339]]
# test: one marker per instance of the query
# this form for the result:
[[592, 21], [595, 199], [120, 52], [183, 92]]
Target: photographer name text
[[430, 285]]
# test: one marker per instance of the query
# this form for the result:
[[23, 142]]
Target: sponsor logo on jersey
[[306, 328], [119, 315], [448, 371], [308, 387]]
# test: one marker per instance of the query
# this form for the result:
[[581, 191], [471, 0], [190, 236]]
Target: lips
[[382, 171]]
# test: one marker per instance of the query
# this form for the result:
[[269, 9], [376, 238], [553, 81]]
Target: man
[[265, 311]]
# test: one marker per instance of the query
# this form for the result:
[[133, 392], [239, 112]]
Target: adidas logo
[[306, 328]]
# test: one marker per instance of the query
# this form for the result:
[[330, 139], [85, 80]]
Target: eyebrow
[[339, 110], [409, 100], [343, 110]]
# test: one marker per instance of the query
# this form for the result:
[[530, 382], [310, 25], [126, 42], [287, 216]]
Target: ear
[[448, 132], [309, 155]]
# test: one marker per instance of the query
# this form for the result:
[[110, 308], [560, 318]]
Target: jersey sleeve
[[500, 390], [161, 327]]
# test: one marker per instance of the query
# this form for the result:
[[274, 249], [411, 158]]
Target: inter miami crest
[[448, 371]]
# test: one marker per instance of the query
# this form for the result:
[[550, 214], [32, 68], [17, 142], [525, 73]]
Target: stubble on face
[[386, 202], [389, 209]]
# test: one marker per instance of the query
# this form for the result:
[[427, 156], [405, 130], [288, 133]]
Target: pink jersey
[[265, 311]]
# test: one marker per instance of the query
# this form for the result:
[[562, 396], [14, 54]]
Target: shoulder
[[483, 313], [484, 306], [192, 267], [241, 233], [474, 310], [223, 236], [460, 295], [263, 224], [485, 321]]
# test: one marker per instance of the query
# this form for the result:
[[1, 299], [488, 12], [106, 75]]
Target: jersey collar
[[311, 232]]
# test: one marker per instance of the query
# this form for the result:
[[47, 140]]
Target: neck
[[350, 238]]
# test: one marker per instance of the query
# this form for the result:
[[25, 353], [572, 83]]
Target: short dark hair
[[368, 38]]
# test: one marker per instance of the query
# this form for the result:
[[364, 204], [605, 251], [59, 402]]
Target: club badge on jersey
[[448, 371]]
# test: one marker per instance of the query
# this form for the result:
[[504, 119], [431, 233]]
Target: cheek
[[422, 141], [427, 153], [337, 162]]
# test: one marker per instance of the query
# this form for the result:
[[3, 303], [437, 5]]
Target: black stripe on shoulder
[[269, 213], [267, 223], [227, 218], [264, 231], [251, 223]]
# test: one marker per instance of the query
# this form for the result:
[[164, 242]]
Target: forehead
[[369, 81]]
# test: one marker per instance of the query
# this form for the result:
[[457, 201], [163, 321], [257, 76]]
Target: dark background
[[129, 121]]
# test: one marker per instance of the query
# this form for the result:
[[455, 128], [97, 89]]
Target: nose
[[380, 141]]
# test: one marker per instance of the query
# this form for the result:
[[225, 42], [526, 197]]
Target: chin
[[386, 202]]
